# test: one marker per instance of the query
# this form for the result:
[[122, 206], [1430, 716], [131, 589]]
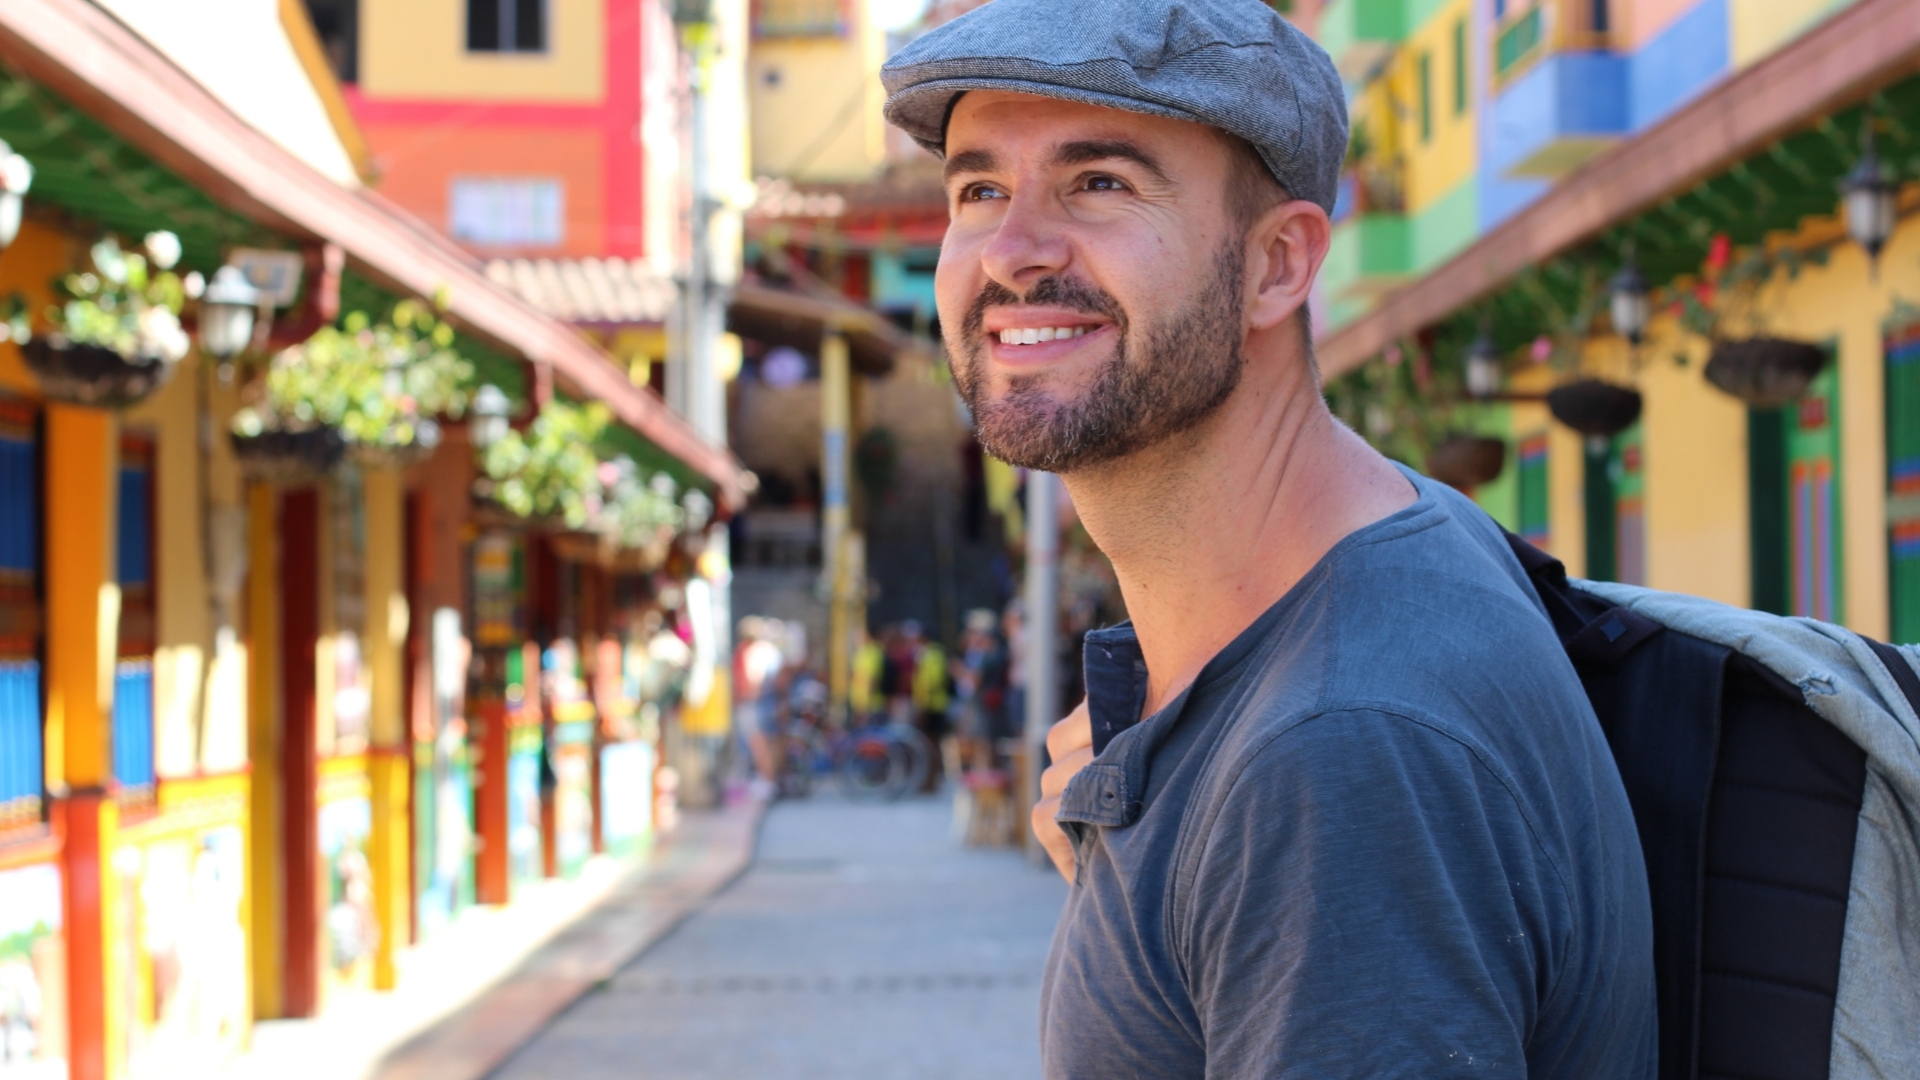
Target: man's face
[[1091, 284]]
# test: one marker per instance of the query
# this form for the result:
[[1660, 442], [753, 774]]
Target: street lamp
[[1483, 367], [226, 313], [1630, 303], [489, 423], [1870, 197], [16, 176]]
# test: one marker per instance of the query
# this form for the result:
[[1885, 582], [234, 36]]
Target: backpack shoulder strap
[[1898, 667]]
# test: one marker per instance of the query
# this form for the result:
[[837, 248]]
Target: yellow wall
[[1437, 165], [815, 106], [417, 49], [1694, 442], [1759, 27]]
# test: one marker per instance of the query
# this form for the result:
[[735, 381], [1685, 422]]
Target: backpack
[[1773, 766]]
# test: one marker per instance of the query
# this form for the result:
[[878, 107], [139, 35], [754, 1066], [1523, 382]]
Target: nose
[[1027, 245]]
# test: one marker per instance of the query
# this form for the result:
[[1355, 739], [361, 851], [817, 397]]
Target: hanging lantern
[[16, 176], [1870, 198], [226, 313], [1630, 304], [490, 408], [1483, 367]]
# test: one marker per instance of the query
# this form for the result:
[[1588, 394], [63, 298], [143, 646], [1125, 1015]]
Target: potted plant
[[116, 338], [549, 469], [378, 386], [1765, 372], [1747, 361], [1467, 461], [1594, 408]]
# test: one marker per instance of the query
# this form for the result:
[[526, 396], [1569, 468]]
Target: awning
[[1868, 46], [80, 52], [612, 292]]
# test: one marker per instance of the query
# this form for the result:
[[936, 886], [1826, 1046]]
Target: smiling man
[[1337, 805]]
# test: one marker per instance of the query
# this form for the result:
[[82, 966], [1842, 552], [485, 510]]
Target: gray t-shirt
[[1380, 836]]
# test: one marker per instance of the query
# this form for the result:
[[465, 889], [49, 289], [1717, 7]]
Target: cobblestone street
[[864, 941]]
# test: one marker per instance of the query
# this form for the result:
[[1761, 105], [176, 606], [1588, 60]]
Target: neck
[[1208, 530]]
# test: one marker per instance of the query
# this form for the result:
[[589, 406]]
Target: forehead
[[997, 120]]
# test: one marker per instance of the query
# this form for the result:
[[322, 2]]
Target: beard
[[1157, 384]]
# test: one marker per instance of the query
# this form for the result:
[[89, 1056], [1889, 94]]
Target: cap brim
[[921, 110]]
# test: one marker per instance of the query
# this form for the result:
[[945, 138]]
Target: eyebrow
[[1084, 152], [1092, 150], [971, 161]]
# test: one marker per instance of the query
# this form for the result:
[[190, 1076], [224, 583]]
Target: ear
[[1284, 251]]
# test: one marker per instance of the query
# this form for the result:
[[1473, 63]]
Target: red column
[[300, 768]]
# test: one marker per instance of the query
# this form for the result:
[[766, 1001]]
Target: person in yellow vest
[[864, 696], [932, 693]]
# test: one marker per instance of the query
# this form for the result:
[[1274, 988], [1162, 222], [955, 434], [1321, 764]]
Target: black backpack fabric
[[1747, 804]]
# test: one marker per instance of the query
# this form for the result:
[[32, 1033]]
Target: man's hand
[[1070, 747]]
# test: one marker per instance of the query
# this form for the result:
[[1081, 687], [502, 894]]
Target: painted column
[[387, 759], [836, 408], [83, 613], [263, 715], [302, 517]]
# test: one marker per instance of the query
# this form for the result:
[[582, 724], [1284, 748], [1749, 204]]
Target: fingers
[[1053, 839], [1054, 779], [1071, 733]]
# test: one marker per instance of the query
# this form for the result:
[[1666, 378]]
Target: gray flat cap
[[1230, 64]]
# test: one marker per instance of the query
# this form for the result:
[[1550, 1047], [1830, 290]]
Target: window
[[799, 18], [1424, 74], [337, 24], [507, 211], [1460, 67], [133, 761], [507, 26], [21, 769], [1602, 16]]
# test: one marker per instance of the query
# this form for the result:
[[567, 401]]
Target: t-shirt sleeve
[[1369, 901]]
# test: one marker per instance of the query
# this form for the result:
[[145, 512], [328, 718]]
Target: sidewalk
[[469, 997]]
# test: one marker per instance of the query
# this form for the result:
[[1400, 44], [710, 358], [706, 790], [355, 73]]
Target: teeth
[[1035, 335]]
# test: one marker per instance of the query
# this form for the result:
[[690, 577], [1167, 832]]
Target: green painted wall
[[1440, 231]]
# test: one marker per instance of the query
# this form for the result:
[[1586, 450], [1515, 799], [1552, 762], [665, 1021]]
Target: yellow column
[[83, 616], [386, 634], [836, 408], [1863, 466], [263, 712]]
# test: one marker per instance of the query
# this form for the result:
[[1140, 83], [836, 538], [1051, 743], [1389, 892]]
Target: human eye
[[979, 192], [1102, 182]]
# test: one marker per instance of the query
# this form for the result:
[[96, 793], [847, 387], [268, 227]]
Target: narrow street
[[864, 941]]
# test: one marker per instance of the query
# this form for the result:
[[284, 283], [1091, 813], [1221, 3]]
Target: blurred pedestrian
[[756, 668], [931, 689]]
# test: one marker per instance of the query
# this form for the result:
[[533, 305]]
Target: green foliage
[[550, 469], [376, 383], [129, 302], [1400, 404]]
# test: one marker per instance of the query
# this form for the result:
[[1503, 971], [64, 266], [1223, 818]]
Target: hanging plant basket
[[94, 375], [426, 439], [287, 457], [1765, 372], [1594, 408], [1467, 461]]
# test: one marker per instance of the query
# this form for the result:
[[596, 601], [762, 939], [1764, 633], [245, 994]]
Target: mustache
[[1057, 290]]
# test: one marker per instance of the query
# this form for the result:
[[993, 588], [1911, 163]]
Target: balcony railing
[[799, 18], [1523, 35]]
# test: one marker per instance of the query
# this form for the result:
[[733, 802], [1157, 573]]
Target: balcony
[[799, 18], [1561, 96], [1360, 34]]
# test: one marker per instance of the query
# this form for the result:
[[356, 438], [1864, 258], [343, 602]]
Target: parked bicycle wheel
[[920, 751], [800, 753], [874, 766]]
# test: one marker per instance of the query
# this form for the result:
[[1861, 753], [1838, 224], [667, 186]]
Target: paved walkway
[[479, 990], [864, 942]]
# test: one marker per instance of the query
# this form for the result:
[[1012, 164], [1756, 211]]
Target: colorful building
[[1727, 197], [231, 700]]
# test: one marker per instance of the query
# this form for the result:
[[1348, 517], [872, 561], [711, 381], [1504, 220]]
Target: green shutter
[[1767, 507], [1816, 575], [1903, 482], [1460, 67], [1601, 507], [1425, 75], [1535, 512]]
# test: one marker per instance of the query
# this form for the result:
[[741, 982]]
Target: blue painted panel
[[19, 506], [136, 527], [1566, 94], [1686, 58], [900, 283], [20, 746], [133, 723]]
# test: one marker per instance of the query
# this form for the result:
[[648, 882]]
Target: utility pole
[[1043, 626]]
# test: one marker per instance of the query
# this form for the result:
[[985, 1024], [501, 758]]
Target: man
[[1337, 805]]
